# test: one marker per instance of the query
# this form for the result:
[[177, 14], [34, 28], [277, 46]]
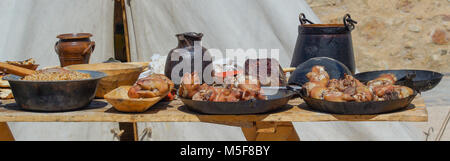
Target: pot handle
[[303, 19], [349, 22], [300, 92], [91, 46], [56, 48]]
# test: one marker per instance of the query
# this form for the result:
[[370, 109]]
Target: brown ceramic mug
[[74, 48]]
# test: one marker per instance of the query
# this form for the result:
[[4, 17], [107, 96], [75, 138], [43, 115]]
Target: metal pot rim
[[94, 76]]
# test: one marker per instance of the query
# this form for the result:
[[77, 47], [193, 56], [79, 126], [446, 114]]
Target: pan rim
[[290, 94], [356, 103], [99, 75], [439, 75]]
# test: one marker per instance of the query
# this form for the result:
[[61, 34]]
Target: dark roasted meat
[[268, 71]]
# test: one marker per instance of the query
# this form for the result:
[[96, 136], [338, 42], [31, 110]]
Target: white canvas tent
[[30, 27]]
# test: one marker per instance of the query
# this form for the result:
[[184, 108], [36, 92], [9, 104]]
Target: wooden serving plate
[[119, 99]]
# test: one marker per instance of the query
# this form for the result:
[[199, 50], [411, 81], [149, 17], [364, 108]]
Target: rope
[[117, 133], [427, 134], [443, 127], [145, 132]]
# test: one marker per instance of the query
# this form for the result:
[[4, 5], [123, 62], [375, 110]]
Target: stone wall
[[394, 34]]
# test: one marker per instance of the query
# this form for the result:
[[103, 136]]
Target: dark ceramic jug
[[185, 48], [325, 40]]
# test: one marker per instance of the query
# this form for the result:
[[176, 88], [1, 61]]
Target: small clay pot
[[74, 48]]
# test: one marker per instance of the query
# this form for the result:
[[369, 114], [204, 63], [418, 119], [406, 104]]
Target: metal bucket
[[325, 40]]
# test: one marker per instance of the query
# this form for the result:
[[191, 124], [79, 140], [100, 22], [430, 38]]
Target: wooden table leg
[[270, 131], [5, 132], [130, 131]]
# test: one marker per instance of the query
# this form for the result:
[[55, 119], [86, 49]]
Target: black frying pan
[[276, 98], [423, 80], [357, 108]]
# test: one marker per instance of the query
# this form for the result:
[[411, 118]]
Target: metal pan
[[277, 98], [357, 108], [54, 96], [423, 80]]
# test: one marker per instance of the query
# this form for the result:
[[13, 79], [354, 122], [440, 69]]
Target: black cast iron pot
[[325, 40]]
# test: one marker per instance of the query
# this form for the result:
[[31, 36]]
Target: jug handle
[[303, 19], [91, 45], [349, 22]]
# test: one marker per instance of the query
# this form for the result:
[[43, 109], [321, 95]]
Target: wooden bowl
[[121, 102], [118, 74], [143, 64]]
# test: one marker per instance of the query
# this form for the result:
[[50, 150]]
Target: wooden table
[[275, 126]]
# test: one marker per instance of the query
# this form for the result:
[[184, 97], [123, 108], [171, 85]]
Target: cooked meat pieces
[[317, 92], [319, 75], [404, 91], [151, 86], [362, 94], [336, 96], [350, 81], [309, 86], [348, 85], [383, 80], [318, 81], [239, 89], [162, 76], [334, 84], [388, 78], [217, 94], [384, 89], [225, 95], [205, 93], [351, 89], [250, 88], [190, 85], [392, 92]]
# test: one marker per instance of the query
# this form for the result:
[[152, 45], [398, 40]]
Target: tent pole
[[122, 53], [125, 26], [130, 131], [121, 35]]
